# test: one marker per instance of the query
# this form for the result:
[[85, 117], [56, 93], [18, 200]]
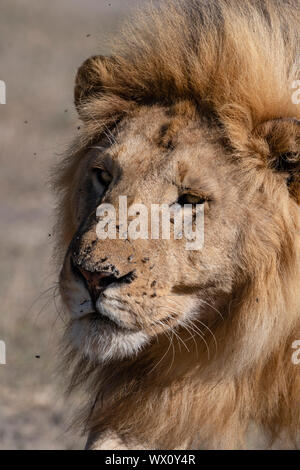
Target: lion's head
[[173, 118]]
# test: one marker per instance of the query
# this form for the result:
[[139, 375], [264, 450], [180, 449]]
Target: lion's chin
[[102, 341]]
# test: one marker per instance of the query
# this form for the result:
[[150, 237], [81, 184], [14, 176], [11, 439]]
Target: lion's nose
[[97, 281]]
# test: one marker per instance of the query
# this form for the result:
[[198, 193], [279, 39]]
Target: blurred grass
[[42, 44]]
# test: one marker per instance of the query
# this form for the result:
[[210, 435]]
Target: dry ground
[[42, 44]]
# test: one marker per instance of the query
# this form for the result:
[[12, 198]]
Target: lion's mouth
[[99, 318]]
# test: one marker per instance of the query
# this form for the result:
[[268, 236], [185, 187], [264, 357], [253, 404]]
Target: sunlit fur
[[220, 70]]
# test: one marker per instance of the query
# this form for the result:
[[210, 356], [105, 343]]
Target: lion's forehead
[[155, 144]]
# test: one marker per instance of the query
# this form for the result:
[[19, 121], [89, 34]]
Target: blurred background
[[42, 44]]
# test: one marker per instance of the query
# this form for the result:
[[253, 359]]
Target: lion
[[177, 348]]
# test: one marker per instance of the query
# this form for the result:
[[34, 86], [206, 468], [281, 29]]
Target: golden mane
[[238, 61]]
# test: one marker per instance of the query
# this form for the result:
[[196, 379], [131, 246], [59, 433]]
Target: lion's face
[[122, 293], [185, 111]]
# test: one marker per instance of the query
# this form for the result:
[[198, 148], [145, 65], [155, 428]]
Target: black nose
[[97, 281]]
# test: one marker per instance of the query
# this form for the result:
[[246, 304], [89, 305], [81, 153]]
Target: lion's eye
[[191, 199], [102, 177]]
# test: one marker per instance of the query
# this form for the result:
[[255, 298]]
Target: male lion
[[186, 348]]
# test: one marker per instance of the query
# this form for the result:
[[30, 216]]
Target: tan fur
[[198, 91]]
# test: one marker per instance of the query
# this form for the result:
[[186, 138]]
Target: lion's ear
[[93, 77], [281, 139]]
